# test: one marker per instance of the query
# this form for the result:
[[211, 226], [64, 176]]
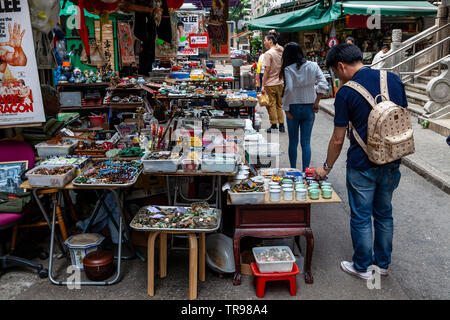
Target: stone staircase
[[416, 94]]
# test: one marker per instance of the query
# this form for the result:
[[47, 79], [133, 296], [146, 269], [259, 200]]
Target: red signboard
[[199, 40]]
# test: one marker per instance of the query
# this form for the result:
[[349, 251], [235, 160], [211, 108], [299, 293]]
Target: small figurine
[[86, 76], [77, 75], [99, 75]]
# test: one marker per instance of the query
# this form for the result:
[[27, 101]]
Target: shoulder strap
[[383, 84], [362, 91], [358, 138]]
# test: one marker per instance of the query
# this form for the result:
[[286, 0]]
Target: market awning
[[391, 8], [313, 17]]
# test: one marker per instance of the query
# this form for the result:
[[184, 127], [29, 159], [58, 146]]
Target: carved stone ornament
[[438, 90]]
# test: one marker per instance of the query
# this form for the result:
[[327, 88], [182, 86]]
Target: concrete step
[[416, 98], [441, 126], [423, 79], [417, 87], [415, 109]]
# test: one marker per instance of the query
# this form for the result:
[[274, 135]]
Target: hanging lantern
[[102, 8], [174, 4]]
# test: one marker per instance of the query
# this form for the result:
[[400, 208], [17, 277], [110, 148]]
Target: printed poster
[[126, 44], [186, 24], [20, 91], [165, 50]]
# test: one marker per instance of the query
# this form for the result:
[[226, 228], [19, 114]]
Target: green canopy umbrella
[[313, 17]]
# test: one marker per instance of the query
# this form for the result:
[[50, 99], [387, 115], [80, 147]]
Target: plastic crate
[[218, 164], [42, 180], [167, 165], [247, 197], [45, 150], [274, 266]]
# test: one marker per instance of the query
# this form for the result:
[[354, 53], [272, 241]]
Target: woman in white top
[[304, 86]]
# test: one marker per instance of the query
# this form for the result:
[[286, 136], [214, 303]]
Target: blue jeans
[[370, 194], [304, 118]]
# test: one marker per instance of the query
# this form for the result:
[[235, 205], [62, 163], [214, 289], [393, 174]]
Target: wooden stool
[[262, 278], [197, 257]]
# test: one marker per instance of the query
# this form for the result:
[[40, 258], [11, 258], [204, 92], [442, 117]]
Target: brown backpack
[[389, 127]]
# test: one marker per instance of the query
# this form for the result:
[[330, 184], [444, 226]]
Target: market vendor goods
[[111, 173], [56, 171], [198, 216]]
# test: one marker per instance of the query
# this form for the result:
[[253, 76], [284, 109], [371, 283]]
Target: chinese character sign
[[20, 92]]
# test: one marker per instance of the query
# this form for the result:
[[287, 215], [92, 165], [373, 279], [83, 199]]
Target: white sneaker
[[349, 268], [381, 271]]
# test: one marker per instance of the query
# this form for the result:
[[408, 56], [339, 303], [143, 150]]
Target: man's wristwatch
[[326, 167]]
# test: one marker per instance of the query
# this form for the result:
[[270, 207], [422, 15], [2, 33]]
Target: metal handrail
[[410, 44], [417, 54], [412, 75]]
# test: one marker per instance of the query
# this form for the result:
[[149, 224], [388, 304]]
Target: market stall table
[[56, 204], [276, 220]]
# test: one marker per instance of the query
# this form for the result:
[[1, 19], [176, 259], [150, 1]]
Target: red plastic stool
[[262, 278]]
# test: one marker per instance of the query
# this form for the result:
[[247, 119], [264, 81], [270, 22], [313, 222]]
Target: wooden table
[[276, 220]]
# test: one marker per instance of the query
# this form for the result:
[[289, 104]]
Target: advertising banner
[[20, 91], [199, 40], [186, 24]]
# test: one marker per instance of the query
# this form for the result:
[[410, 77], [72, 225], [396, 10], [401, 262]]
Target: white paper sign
[[20, 91]]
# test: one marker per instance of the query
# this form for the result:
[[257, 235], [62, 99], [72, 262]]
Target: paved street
[[419, 269]]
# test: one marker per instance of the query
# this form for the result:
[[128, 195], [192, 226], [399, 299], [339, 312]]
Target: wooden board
[[334, 199], [190, 174]]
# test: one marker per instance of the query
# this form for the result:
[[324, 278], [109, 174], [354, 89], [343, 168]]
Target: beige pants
[[276, 114]]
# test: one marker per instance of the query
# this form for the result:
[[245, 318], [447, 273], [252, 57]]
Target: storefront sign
[[199, 40], [332, 42], [186, 24], [20, 91]]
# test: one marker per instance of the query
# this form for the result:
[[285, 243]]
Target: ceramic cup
[[288, 194], [275, 195], [300, 195], [273, 184], [326, 194], [314, 194]]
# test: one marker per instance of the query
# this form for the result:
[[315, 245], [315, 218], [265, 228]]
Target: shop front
[[370, 23]]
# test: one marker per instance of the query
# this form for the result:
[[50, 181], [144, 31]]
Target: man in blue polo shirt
[[369, 186]]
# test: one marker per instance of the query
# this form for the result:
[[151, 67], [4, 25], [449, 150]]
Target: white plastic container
[[247, 197], [274, 266], [44, 180], [218, 164], [45, 150], [167, 165], [288, 194], [80, 245], [275, 195]]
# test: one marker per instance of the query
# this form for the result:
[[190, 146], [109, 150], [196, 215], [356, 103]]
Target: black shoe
[[274, 126], [281, 128]]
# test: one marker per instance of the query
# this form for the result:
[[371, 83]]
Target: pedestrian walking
[[379, 56], [272, 85], [260, 70], [370, 186], [304, 86]]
